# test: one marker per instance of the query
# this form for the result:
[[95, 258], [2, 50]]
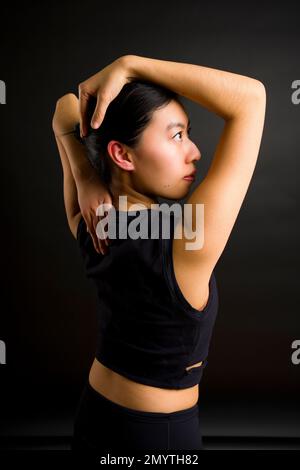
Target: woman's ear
[[120, 155]]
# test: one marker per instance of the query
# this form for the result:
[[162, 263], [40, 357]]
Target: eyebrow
[[177, 124]]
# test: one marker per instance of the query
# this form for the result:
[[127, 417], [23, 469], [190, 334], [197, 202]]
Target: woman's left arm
[[83, 189], [65, 117], [69, 190]]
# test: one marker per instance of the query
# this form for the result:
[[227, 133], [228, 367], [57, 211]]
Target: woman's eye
[[180, 132]]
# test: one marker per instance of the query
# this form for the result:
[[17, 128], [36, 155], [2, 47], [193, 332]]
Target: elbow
[[260, 98], [255, 99], [68, 97], [252, 88], [257, 91], [260, 90], [251, 97]]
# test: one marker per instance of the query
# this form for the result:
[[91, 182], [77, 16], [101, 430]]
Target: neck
[[124, 197]]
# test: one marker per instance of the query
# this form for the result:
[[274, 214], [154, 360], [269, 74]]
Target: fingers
[[90, 229], [83, 104], [100, 243], [92, 233], [99, 112], [101, 235]]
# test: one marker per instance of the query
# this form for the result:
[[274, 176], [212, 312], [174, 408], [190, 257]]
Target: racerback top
[[147, 330]]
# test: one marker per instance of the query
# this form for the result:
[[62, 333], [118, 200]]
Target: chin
[[175, 191], [176, 195]]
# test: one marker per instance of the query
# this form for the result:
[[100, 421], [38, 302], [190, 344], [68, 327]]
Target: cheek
[[166, 160], [165, 171], [163, 165], [155, 163]]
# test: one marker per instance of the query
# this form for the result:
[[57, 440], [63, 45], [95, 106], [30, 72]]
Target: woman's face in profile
[[165, 154]]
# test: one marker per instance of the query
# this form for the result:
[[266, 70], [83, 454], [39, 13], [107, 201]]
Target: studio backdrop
[[250, 389]]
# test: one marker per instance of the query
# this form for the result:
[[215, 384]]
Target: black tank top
[[147, 330]]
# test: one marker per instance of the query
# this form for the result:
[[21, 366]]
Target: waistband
[[173, 416]]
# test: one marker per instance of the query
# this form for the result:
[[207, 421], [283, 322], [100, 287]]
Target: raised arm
[[83, 189], [241, 102], [224, 93]]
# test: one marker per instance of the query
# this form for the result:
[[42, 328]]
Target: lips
[[191, 176]]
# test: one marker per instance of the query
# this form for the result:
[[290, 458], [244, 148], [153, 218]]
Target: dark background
[[251, 387]]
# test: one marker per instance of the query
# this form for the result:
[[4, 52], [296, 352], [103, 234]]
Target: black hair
[[127, 115]]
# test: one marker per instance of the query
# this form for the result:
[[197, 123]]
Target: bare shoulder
[[191, 273]]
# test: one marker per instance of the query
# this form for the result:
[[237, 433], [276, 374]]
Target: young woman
[[158, 300]]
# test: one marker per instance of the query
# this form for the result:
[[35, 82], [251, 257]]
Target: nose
[[196, 155], [194, 151]]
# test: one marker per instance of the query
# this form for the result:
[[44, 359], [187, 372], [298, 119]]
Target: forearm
[[80, 166], [70, 189], [221, 92], [65, 118]]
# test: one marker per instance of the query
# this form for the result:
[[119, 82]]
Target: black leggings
[[101, 425]]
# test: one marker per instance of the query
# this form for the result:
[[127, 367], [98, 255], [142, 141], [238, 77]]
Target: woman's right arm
[[241, 102], [224, 93]]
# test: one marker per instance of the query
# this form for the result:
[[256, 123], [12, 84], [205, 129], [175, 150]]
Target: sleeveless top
[[146, 329]]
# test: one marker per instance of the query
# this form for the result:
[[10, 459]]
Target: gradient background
[[249, 394]]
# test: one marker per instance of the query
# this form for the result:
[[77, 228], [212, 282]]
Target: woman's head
[[135, 151]]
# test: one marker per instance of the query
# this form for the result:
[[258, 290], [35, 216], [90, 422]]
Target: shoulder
[[191, 272]]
